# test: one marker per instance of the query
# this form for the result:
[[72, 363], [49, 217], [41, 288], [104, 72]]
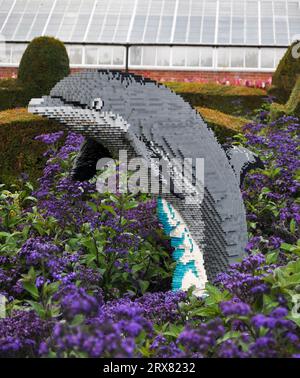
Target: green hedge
[[237, 101], [19, 152], [285, 76], [12, 95], [292, 107]]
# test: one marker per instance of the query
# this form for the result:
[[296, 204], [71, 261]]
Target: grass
[[215, 117], [18, 115], [215, 89]]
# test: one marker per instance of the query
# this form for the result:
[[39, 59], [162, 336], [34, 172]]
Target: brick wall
[[255, 79], [7, 72]]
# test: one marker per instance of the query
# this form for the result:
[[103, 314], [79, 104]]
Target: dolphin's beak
[[34, 104]]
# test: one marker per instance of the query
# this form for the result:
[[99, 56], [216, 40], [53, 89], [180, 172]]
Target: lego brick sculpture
[[119, 111]]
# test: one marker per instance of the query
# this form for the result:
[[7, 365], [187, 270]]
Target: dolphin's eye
[[97, 104]]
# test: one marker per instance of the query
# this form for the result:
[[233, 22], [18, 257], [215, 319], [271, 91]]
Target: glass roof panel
[[209, 22], [224, 24], [182, 20], [238, 22], [167, 20], [153, 21], [267, 23], [138, 27], [97, 20], [195, 25], [252, 25], [242, 22]]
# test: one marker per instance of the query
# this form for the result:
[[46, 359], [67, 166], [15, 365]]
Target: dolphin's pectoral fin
[[242, 161], [85, 164]]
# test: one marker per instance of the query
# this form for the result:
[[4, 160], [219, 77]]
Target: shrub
[[292, 107], [19, 152], [285, 76], [236, 101], [44, 63], [12, 94]]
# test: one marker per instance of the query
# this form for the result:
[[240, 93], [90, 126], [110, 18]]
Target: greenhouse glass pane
[[17, 53], [178, 56], [5, 53], [267, 27], [24, 26], [251, 58], [5, 5], [267, 58], [54, 24], [105, 55], [209, 21], [10, 27], [194, 33], [152, 29], [75, 55], [224, 23], [111, 20], [153, 21], [193, 57], [135, 56], [237, 57], [181, 29], [252, 26], [182, 20], [164, 34], [40, 19], [163, 56], [238, 22], [267, 31], [125, 16], [207, 56], [97, 21], [137, 32], [149, 55], [294, 25], [91, 55], [280, 8], [281, 31], [223, 57], [118, 55]]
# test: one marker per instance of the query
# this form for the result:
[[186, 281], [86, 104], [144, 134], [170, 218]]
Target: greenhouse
[[182, 35]]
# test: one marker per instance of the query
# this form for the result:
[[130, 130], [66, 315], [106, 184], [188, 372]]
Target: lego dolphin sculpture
[[120, 111]]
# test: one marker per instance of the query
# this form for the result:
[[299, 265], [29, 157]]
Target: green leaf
[[110, 209], [215, 295], [143, 285], [31, 288], [38, 308], [272, 257]]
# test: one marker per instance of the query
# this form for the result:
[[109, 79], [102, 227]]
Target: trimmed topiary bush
[[233, 100], [292, 107], [19, 151], [12, 94], [44, 63], [285, 77]]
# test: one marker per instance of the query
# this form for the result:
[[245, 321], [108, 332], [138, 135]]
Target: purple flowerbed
[[87, 275]]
